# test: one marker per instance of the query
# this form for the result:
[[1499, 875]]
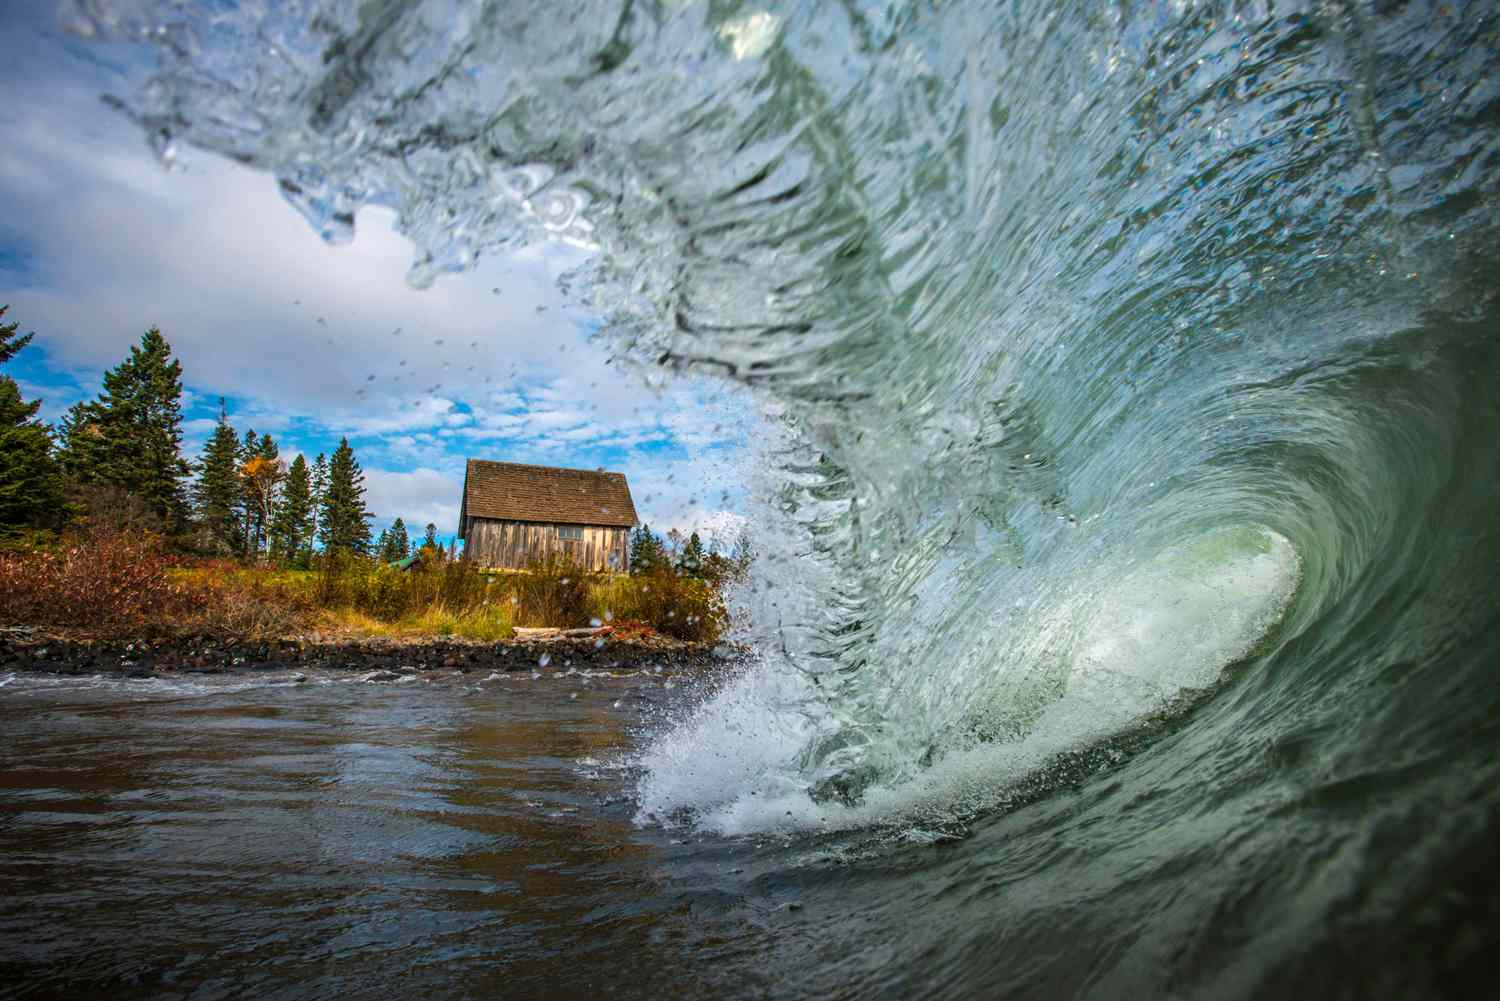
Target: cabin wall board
[[513, 544]]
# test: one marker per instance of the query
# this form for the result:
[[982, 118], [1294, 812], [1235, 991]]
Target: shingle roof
[[516, 492]]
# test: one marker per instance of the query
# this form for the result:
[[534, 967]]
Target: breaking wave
[[1133, 364]]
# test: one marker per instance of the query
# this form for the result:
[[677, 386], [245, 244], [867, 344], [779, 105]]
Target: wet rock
[[381, 677], [299, 677]]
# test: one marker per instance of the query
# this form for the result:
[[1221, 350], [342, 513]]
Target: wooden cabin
[[513, 514]]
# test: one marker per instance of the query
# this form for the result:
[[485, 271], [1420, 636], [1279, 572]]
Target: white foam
[[1172, 623]]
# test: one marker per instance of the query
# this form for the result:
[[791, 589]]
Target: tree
[[383, 547], [80, 443], [216, 494], [693, 555], [262, 477], [9, 342], [400, 544], [394, 545], [131, 435], [291, 525], [319, 491], [646, 551], [31, 485], [344, 520], [675, 540]]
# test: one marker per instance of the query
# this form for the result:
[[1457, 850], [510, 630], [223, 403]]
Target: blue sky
[[309, 342]]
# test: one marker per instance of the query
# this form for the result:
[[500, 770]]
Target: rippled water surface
[[1127, 615], [268, 839]]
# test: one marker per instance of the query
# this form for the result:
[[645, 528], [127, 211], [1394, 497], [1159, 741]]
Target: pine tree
[[400, 544], [646, 551], [345, 522], [9, 342], [691, 561], [383, 547], [429, 538], [31, 485], [249, 449], [80, 442], [131, 436], [216, 494], [319, 493], [291, 525]]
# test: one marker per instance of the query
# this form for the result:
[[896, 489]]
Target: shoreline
[[60, 653]]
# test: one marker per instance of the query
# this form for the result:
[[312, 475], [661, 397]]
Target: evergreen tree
[[646, 551], [691, 561], [130, 437], [429, 539], [80, 442], [400, 544], [319, 493], [291, 525], [383, 547], [249, 449], [344, 521], [10, 343], [216, 494], [31, 485]]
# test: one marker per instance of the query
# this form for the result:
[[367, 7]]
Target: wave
[[1134, 362]]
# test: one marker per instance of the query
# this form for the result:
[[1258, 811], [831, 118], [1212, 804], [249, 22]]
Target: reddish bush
[[105, 582]]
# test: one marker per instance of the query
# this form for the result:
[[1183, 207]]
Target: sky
[[310, 342]]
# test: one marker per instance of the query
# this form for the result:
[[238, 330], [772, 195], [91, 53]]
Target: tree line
[[686, 554], [117, 459]]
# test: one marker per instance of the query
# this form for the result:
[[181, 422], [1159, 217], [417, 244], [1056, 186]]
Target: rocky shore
[[25, 649]]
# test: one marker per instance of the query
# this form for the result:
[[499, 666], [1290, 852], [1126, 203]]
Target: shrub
[[674, 604], [102, 581], [552, 592]]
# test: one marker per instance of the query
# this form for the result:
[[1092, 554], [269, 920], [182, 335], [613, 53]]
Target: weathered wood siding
[[513, 544]]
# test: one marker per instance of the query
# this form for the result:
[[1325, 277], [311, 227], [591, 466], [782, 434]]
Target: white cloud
[[417, 497], [292, 330]]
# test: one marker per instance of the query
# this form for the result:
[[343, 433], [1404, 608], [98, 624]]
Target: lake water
[[456, 838]]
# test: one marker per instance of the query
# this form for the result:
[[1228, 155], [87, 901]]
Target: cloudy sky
[[309, 342]]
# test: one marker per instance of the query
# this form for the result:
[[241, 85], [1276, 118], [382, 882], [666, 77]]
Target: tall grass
[[550, 592]]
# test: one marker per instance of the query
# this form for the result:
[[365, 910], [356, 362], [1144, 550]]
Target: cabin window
[[570, 533]]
